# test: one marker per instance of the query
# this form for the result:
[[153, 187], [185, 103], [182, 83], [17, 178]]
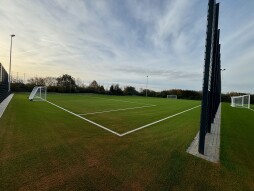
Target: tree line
[[67, 84]]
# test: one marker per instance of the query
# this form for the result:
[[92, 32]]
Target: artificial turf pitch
[[45, 148]]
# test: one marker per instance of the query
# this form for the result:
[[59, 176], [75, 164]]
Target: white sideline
[[85, 119], [108, 111], [251, 109], [157, 121], [4, 104]]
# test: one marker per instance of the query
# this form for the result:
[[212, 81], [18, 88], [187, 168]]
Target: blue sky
[[123, 41]]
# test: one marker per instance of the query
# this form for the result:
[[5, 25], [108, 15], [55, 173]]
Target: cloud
[[168, 74], [123, 41], [237, 45]]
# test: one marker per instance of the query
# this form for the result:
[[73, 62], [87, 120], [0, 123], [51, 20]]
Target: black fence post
[[211, 83]]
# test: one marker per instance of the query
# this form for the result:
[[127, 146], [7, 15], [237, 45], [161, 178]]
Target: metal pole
[[10, 65], [146, 84], [222, 70], [45, 92], [249, 102]]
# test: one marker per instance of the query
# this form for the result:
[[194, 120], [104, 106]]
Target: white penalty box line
[[128, 132], [97, 97], [98, 125], [113, 110], [142, 127]]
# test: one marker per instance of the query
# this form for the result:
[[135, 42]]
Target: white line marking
[[251, 109], [85, 119], [142, 127], [119, 100], [116, 110], [128, 132], [4, 104]]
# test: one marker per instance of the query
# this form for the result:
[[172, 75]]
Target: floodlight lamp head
[[12, 35]]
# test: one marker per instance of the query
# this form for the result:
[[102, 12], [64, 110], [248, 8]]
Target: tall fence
[[3, 83], [212, 74]]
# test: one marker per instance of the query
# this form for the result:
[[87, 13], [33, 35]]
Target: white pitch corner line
[[98, 125], [113, 110], [128, 132], [142, 127]]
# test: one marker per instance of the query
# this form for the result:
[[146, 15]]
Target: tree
[[66, 83], [150, 93], [36, 81], [101, 90], [129, 90], [50, 81], [79, 83], [115, 90], [94, 85]]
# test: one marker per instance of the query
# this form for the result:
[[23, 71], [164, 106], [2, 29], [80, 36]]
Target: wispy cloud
[[169, 74], [123, 41]]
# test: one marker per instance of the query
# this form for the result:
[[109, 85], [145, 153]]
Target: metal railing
[[3, 83]]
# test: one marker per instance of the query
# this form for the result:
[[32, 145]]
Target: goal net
[[39, 93], [241, 101], [172, 96]]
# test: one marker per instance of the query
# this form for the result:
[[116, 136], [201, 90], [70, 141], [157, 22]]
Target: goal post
[[39, 93], [241, 101], [172, 96]]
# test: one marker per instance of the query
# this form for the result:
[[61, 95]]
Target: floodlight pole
[[10, 64], [222, 70], [146, 84]]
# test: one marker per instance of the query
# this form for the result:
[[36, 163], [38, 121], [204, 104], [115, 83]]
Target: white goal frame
[[241, 101], [39, 93], [172, 96]]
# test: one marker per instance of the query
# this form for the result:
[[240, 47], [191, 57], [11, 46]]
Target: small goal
[[172, 96], [39, 93], [241, 101]]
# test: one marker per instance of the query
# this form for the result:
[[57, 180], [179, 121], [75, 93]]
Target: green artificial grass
[[126, 112], [45, 148], [237, 148]]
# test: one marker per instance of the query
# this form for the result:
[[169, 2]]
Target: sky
[[124, 41]]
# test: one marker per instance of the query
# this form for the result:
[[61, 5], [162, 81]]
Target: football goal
[[241, 101], [172, 96], [39, 93]]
